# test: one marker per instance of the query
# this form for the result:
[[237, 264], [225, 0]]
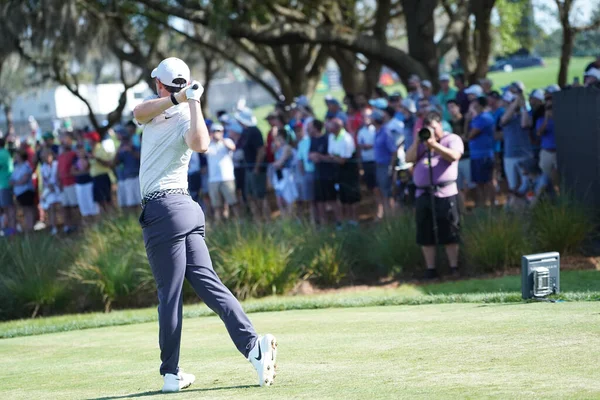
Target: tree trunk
[[465, 54], [420, 29], [483, 38], [565, 55], [209, 72], [371, 77], [351, 76], [9, 116]]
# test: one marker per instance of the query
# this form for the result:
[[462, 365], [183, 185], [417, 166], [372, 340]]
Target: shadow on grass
[[158, 392]]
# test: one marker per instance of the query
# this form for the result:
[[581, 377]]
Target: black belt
[[437, 186], [162, 193]]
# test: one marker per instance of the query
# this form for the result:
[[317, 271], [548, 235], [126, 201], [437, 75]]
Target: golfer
[[173, 225]]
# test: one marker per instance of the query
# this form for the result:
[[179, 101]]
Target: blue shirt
[[19, 172], [131, 164], [482, 145], [497, 115], [385, 147], [409, 126], [516, 139], [303, 150], [548, 139]]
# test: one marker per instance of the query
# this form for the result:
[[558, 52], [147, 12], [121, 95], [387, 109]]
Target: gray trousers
[[173, 229]]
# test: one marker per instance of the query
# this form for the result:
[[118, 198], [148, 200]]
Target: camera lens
[[424, 134]]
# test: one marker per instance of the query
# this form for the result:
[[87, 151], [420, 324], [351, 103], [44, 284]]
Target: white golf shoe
[[264, 357], [174, 383]]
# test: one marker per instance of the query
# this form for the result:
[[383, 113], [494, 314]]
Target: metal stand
[[432, 190]]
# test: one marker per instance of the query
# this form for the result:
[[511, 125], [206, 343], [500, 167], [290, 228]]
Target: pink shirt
[[443, 171]]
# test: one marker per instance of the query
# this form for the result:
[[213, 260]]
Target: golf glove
[[194, 94]]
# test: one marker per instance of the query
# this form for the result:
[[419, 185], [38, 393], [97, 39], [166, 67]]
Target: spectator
[[221, 175], [594, 64], [362, 101], [256, 173], [545, 131], [131, 129], [341, 151], [67, 183], [414, 88], [536, 185], [591, 77], [128, 159], [305, 171], [51, 196], [408, 110], [495, 105], [194, 174], [516, 139], [445, 94], [22, 183], [464, 182], [536, 112], [427, 90], [385, 151], [275, 123], [474, 92], [486, 85], [101, 161], [446, 149], [234, 132], [393, 126], [366, 141], [324, 187], [204, 196], [284, 184], [379, 103], [354, 121], [461, 96], [7, 207], [396, 103], [84, 185], [48, 143], [422, 110], [481, 150], [334, 110]]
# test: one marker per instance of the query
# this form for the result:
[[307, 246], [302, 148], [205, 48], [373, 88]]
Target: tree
[[569, 31], [13, 78]]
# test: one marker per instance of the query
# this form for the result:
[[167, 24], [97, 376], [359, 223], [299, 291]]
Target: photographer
[[436, 155]]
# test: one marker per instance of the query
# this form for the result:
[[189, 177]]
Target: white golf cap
[[216, 127], [475, 90], [538, 94], [444, 77], [171, 69], [427, 84], [593, 72]]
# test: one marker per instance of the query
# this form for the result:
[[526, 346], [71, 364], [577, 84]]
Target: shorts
[[512, 171], [129, 193], [26, 199], [256, 184], [369, 174], [548, 162], [6, 198], [240, 178], [325, 190], [69, 196], [85, 199], [384, 180], [482, 170], [306, 186], [464, 175], [50, 198], [102, 188], [222, 190], [447, 217]]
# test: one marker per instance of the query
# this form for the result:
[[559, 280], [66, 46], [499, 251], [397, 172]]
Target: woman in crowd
[[21, 181], [84, 186], [284, 184], [51, 195]]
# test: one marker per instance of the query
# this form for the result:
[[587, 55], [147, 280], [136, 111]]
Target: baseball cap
[[537, 94], [518, 85], [379, 103], [245, 117], [396, 95], [553, 88], [445, 77], [508, 96], [414, 78], [410, 105], [216, 127], [593, 72], [427, 84], [171, 69], [494, 94], [331, 100], [377, 115], [475, 90]]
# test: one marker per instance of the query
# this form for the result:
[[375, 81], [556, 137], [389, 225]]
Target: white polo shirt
[[342, 145], [220, 162], [165, 155]]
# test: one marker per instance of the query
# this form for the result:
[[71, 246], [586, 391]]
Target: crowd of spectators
[[319, 166]]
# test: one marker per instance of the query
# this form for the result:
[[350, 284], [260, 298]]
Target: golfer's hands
[[194, 94]]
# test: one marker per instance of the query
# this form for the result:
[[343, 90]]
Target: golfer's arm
[[150, 109], [197, 137]]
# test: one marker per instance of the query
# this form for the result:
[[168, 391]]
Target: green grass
[[575, 285], [458, 351], [533, 78]]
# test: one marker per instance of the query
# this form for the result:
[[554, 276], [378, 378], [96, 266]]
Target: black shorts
[[26, 199], [349, 191], [102, 188], [240, 178], [325, 190], [369, 175], [447, 216], [482, 170]]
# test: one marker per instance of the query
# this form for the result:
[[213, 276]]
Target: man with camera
[[436, 155]]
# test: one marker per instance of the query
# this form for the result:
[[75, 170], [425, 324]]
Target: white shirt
[[342, 146], [396, 129], [366, 135], [165, 154], [220, 162]]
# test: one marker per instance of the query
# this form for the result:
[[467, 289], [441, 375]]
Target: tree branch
[[458, 21]]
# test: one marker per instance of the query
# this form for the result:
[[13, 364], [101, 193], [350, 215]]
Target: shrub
[[494, 240], [30, 279], [113, 261], [561, 226], [251, 261]]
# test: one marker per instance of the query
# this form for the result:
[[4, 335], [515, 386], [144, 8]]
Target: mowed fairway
[[503, 351]]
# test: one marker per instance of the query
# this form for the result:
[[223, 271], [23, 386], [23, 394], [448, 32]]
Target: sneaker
[[264, 357], [175, 383]]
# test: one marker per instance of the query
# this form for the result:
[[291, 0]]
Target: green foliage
[[494, 241], [562, 226], [30, 281], [510, 13]]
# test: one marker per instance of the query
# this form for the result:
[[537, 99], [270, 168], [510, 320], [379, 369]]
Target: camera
[[425, 134]]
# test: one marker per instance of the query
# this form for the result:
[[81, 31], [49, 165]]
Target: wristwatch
[[173, 99]]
